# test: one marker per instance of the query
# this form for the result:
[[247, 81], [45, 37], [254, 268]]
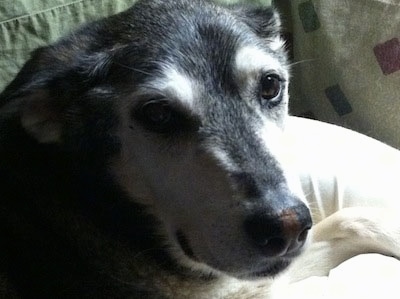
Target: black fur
[[62, 217], [66, 229]]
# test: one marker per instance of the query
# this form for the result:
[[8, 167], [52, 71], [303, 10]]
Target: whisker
[[301, 61], [132, 68]]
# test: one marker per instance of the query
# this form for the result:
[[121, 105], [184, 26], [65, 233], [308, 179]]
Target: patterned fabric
[[347, 68]]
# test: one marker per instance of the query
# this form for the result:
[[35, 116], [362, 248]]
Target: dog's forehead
[[183, 84], [203, 53]]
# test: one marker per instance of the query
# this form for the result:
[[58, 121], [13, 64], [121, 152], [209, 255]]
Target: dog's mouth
[[184, 244], [269, 269]]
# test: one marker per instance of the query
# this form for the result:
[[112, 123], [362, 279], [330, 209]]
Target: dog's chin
[[269, 269]]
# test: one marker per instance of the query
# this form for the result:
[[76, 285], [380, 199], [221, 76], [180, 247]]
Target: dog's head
[[196, 95]]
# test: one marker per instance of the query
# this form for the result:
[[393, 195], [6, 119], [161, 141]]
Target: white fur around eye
[[277, 44], [251, 59], [176, 85]]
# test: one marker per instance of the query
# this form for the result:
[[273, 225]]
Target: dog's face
[[196, 96]]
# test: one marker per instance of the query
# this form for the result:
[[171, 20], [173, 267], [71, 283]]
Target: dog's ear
[[264, 21], [46, 86]]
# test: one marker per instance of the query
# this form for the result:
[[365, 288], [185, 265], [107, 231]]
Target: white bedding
[[341, 168]]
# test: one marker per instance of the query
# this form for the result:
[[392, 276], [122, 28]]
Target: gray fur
[[111, 205]]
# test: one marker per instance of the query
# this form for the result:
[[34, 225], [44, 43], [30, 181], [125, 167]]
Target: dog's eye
[[160, 116], [270, 90], [157, 113]]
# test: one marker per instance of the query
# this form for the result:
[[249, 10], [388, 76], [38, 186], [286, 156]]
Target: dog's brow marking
[[250, 59], [180, 86], [277, 44]]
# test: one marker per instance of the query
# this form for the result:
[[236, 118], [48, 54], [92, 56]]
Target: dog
[[141, 157]]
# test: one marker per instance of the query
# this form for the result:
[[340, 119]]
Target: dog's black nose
[[279, 234]]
